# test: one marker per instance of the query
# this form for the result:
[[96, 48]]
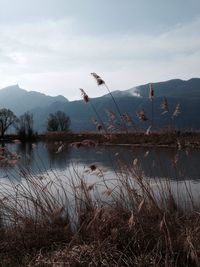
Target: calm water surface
[[155, 162], [42, 160]]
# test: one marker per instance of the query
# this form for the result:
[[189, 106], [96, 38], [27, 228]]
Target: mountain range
[[185, 93]]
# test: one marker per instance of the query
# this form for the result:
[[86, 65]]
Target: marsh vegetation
[[85, 202]]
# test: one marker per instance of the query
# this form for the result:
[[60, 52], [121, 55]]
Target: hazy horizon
[[52, 46], [80, 97]]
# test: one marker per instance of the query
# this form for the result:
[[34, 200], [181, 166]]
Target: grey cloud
[[49, 54]]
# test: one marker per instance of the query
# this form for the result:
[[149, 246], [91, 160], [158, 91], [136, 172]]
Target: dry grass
[[145, 138], [53, 222]]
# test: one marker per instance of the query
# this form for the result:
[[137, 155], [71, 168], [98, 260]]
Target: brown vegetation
[[159, 138], [125, 221], [130, 224]]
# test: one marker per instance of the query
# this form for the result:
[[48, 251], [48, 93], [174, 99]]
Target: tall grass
[[124, 221], [151, 97], [99, 124], [100, 82]]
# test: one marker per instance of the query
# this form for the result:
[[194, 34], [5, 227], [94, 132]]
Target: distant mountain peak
[[11, 87], [18, 89], [20, 100]]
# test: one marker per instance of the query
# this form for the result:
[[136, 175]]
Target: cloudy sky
[[52, 45]]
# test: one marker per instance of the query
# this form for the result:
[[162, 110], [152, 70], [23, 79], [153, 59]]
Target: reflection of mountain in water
[[155, 162]]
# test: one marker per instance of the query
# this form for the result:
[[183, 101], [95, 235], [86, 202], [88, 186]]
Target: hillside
[[186, 93], [20, 100], [174, 88]]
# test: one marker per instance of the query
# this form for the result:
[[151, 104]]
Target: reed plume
[[111, 120], [111, 116], [148, 131], [98, 125], [141, 115], [129, 120], [164, 106], [151, 91], [87, 100], [100, 81], [177, 111], [84, 95]]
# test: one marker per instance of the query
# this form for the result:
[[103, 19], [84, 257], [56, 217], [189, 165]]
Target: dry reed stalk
[[164, 106], [100, 81], [177, 111], [151, 97], [142, 115], [88, 100], [127, 118]]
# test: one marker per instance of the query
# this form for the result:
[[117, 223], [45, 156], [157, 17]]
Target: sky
[[52, 46]]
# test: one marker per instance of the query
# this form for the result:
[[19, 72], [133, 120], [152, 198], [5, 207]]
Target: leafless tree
[[58, 121], [25, 125], [7, 118]]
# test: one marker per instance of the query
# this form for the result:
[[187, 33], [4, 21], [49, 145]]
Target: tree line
[[24, 124]]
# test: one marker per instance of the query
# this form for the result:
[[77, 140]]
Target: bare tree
[[7, 118], [25, 125], [52, 123], [58, 121]]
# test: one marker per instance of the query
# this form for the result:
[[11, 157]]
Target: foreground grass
[[64, 223]]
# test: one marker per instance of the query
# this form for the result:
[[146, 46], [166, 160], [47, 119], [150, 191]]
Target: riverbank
[[163, 138]]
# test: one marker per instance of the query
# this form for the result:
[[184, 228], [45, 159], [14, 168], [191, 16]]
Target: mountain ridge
[[187, 93], [20, 100]]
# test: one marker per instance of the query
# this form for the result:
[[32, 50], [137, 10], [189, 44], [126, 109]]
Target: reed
[[130, 222], [151, 97], [86, 98], [100, 81]]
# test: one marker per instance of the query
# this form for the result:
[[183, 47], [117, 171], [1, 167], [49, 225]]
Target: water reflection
[[155, 162], [58, 160]]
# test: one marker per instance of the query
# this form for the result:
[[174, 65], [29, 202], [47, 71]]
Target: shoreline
[[158, 139]]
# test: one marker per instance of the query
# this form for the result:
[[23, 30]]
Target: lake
[[156, 162], [44, 160]]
